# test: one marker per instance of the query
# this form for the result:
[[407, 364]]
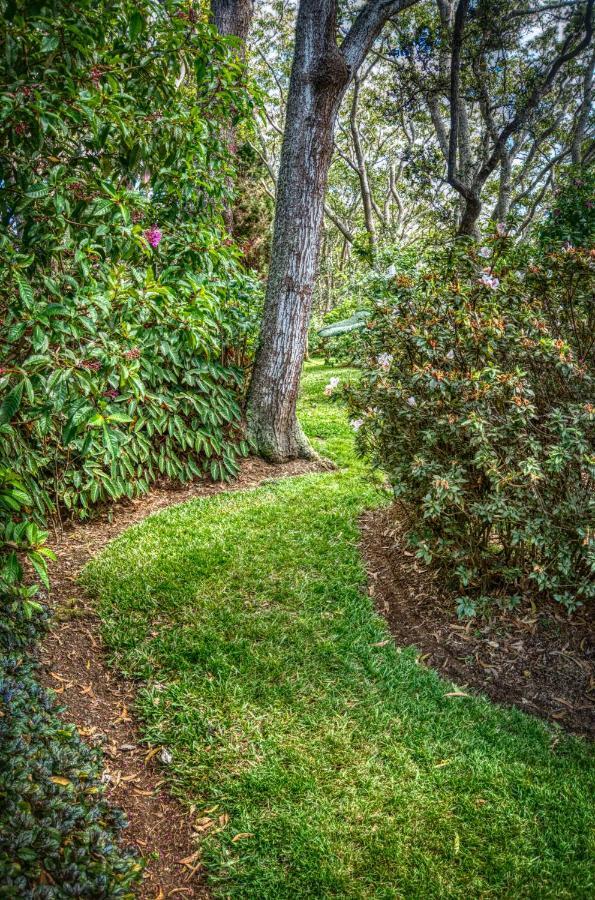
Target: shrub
[[57, 833], [122, 309], [477, 399]]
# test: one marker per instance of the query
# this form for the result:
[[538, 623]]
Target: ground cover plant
[[319, 759], [58, 836]]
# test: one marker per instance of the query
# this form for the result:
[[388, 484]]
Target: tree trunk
[[502, 207], [468, 226], [232, 18], [362, 171], [318, 80], [584, 112]]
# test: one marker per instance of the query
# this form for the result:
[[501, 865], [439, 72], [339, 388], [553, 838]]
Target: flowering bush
[[125, 319], [477, 399]]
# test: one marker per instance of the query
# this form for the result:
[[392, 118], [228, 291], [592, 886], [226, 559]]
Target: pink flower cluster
[[92, 364], [153, 236], [132, 354]]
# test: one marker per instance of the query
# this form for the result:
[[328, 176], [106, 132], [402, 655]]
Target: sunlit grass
[[343, 761]]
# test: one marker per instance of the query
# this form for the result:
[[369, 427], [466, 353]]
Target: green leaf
[[11, 404]]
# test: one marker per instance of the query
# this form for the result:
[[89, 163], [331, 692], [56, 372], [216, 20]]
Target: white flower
[[411, 401], [384, 360], [391, 272], [489, 281], [330, 387], [485, 252], [450, 354], [356, 424]]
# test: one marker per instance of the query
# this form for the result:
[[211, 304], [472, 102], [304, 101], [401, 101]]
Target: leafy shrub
[[477, 399], [107, 391], [572, 217], [57, 833], [123, 311]]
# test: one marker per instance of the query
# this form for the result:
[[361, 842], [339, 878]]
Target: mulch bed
[[537, 657], [100, 702]]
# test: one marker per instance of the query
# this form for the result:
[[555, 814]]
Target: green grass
[[268, 675]]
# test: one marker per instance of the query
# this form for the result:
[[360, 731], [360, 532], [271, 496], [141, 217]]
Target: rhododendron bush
[[122, 302], [477, 399]]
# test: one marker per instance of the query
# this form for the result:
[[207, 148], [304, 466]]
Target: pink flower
[[153, 236], [485, 252], [384, 361], [356, 424], [489, 281], [501, 229], [132, 354]]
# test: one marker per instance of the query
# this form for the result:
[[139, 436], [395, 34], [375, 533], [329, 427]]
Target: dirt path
[[100, 703]]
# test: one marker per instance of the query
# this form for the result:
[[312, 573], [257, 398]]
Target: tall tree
[[321, 72], [232, 18]]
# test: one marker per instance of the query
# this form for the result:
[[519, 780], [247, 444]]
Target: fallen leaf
[[241, 836], [189, 860], [59, 779], [456, 694], [151, 754]]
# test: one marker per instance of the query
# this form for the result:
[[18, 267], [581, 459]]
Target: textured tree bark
[[502, 207], [320, 74], [318, 80], [584, 112], [232, 18]]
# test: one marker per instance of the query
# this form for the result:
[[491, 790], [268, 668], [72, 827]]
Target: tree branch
[[366, 27]]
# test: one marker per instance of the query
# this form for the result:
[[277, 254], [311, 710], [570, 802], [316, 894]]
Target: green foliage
[[108, 390], [343, 765], [571, 218], [119, 337], [477, 400], [57, 833]]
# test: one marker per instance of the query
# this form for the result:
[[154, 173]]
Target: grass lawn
[[344, 766]]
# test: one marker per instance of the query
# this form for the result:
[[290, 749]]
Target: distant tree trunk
[[320, 74], [584, 112], [362, 170], [232, 18], [502, 207], [318, 79]]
